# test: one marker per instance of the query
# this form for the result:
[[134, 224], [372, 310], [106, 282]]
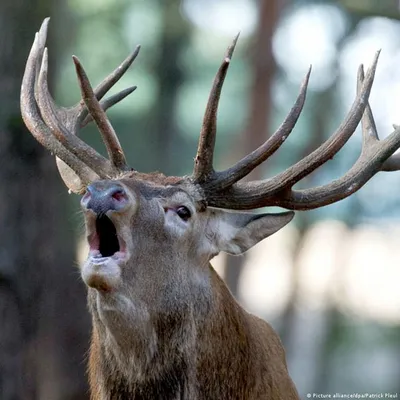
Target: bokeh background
[[328, 283]]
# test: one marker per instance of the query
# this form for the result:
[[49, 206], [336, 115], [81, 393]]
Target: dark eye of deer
[[183, 212]]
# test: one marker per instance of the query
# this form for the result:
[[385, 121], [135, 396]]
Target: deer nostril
[[103, 196], [119, 195]]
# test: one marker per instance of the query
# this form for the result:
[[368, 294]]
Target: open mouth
[[104, 242]]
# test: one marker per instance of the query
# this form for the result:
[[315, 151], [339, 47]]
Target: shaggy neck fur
[[168, 356]]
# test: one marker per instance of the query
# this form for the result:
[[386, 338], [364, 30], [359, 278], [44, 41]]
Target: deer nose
[[103, 196]]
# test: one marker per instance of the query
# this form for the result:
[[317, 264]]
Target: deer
[[164, 324]]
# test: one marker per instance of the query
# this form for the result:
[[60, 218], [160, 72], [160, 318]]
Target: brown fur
[[237, 356], [171, 329]]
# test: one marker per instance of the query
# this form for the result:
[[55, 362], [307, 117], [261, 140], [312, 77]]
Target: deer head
[[152, 292]]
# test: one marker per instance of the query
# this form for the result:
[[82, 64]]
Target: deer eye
[[183, 213]]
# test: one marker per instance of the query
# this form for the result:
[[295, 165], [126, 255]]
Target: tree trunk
[[44, 324]]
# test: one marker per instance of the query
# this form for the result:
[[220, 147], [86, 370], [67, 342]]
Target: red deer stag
[[165, 326]]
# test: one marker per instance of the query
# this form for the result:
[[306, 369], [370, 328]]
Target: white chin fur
[[102, 273]]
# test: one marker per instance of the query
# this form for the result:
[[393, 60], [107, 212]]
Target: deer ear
[[70, 178], [235, 233]]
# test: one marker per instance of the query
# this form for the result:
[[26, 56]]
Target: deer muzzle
[[106, 205], [104, 196]]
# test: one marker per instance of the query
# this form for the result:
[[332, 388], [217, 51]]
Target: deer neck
[[134, 349]]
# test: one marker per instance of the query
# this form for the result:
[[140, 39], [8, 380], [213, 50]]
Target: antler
[[56, 127], [223, 189]]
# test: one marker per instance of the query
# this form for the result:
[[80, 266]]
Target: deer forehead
[[173, 189]]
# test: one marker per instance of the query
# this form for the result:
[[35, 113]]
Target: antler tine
[[203, 165], [109, 102], [99, 116], [71, 142], [103, 87], [374, 157], [243, 167], [33, 120], [369, 131]]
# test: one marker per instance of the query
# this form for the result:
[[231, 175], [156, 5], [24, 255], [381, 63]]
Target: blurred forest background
[[329, 283]]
